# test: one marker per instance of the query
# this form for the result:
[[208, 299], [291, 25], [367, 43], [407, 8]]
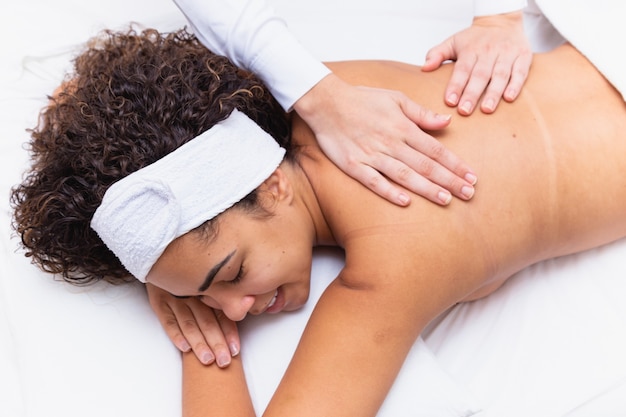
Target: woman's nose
[[237, 308]]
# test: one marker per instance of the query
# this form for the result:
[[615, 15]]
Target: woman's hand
[[374, 136], [492, 56], [192, 325]]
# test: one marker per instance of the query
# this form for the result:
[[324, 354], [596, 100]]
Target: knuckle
[[520, 73], [170, 322], [206, 323], [188, 324], [454, 184], [386, 141], [352, 161], [372, 181], [425, 167], [199, 346], [481, 73], [436, 151], [403, 175], [501, 72], [351, 165], [218, 347]]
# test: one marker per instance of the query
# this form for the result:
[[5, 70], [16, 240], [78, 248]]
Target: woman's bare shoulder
[[364, 68], [426, 88]]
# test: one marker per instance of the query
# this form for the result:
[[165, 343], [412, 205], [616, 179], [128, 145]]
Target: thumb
[[424, 118], [438, 54]]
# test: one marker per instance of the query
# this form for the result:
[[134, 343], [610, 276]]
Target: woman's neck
[[307, 200]]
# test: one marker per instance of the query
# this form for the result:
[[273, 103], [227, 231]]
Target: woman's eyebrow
[[213, 272]]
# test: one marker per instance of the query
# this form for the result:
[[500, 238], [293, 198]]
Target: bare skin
[[552, 183]]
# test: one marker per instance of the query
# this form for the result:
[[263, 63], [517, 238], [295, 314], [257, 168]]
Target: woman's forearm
[[209, 391]]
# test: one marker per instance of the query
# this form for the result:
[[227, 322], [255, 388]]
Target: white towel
[[141, 214]]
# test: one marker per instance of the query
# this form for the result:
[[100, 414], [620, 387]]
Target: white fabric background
[[549, 343]]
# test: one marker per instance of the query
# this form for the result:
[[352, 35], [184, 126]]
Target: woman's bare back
[[551, 179]]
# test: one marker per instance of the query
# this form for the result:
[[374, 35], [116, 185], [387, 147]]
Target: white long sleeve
[[253, 37], [489, 7]]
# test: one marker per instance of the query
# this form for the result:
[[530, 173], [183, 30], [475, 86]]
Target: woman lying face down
[[552, 183], [113, 116]]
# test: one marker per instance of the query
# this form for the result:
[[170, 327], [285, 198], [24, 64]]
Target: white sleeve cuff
[[491, 7], [286, 67]]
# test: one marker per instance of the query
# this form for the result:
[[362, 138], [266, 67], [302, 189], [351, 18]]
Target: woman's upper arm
[[395, 282], [353, 348], [346, 361]]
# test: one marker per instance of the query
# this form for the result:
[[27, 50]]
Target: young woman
[[552, 183]]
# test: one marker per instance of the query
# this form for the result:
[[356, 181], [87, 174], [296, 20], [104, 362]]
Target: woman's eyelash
[[237, 279]]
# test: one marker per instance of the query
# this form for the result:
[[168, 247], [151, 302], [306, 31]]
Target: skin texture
[[381, 138], [232, 386], [552, 183]]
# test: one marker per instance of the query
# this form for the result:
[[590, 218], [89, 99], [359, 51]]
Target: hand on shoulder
[[375, 136]]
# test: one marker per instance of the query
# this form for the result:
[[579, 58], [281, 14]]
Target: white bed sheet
[[549, 343]]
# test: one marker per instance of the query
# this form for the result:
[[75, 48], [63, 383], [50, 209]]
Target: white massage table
[[551, 342]]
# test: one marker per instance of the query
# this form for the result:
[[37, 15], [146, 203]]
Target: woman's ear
[[277, 187]]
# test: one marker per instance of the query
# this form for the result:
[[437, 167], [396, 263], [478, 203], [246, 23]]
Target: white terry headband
[[144, 212]]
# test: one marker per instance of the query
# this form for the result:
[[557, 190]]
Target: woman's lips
[[277, 303], [273, 300]]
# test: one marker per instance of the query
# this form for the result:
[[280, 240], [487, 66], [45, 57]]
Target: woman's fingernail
[[404, 199], [452, 99], [471, 178], [489, 105], [223, 360], [467, 191], [444, 197], [466, 107], [510, 94], [234, 349], [444, 117], [185, 346], [206, 358]]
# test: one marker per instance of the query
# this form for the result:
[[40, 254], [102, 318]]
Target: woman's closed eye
[[238, 277], [182, 297]]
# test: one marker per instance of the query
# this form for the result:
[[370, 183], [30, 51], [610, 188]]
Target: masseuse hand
[[192, 325], [374, 135], [492, 56]]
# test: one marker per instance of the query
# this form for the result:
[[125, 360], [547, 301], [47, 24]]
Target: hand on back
[[376, 137], [492, 59]]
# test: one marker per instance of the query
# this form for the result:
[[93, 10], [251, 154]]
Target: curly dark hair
[[132, 98]]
